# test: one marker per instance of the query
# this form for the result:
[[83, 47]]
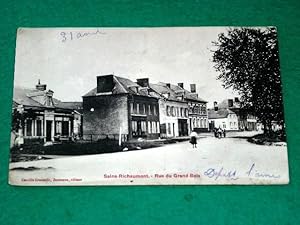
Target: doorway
[[48, 130]]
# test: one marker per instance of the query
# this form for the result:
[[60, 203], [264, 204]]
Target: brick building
[[118, 105]]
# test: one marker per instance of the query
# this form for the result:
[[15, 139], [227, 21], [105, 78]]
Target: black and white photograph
[[148, 106]]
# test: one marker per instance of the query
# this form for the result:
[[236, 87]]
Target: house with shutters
[[38, 117], [118, 107], [197, 107]]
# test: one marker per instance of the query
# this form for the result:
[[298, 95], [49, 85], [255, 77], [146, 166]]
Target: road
[[231, 160]]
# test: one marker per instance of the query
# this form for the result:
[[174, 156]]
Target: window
[[186, 112], [149, 110], [172, 111], [154, 127], [58, 127], [29, 128], [169, 128], [65, 128], [143, 126], [38, 128], [149, 127], [181, 112], [157, 127], [154, 110], [131, 107], [168, 111], [137, 108], [134, 126], [205, 123], [144, 109]]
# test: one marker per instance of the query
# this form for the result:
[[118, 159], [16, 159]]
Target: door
[[48, 130], [139, 128]]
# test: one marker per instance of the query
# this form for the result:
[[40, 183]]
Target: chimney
[[144, 82], [230, 103], [105, 83], [236, 99], [216, 106], [168, 85], [193, 88], [41, 87], [180, 85]]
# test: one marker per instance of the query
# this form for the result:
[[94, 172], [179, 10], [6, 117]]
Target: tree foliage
[[248, 62]]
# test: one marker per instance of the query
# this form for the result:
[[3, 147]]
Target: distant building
[[246, 119], [119, 106], [38, 117], [222, 118]]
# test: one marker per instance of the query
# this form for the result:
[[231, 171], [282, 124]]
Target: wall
[[169, 120], [104, 115]]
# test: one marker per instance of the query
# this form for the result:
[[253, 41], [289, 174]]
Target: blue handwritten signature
[[215, 174], [73, 35], [253, 172]]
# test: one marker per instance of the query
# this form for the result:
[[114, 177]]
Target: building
[[197, 107], [246, 119], [119, 107], [173, 110], [77, 111], [38, 117], [222, 118]]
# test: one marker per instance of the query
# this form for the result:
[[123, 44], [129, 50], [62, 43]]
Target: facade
[[173, 111], [118, 107], [77, 111], [197, 108], [246, 120], [223, 118], [38, 117]]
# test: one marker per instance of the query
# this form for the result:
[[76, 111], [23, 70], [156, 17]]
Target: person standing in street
[[193, 139]]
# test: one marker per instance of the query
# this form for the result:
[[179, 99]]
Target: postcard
[[147, 106]]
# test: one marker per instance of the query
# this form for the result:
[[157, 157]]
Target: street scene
[[234, 154], [205, 108]]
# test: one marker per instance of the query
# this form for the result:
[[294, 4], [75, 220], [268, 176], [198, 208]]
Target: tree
[[248, 62]]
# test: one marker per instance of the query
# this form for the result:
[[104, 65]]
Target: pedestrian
[[193, 139]]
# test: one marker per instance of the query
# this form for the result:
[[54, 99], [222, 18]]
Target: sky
[[68, 60]]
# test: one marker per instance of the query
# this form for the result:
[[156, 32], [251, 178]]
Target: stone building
[[38, 117], [120, 107]]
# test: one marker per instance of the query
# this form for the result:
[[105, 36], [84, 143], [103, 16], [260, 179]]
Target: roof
[[20, 97], [162, 89], [72, 105], [219, 114], [28, 98], [224, 104], [187, 94], [123, 86]]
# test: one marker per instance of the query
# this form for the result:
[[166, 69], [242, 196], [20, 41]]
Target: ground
[[231, 160]]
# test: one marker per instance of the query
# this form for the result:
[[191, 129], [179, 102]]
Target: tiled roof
[[24, 96], [71, 105], [218, 114], [162, 89], [20, 97], [123, 86], [187, 94]]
